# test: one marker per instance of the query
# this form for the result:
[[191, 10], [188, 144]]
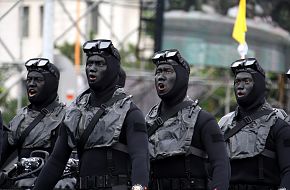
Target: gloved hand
[[25, 183], [66, 183]]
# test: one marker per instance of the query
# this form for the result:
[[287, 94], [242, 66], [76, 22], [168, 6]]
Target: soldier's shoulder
[[225, 118]]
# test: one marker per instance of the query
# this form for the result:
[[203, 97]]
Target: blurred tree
[[130, 60], [281, 14], [10, 108], [68, 49]]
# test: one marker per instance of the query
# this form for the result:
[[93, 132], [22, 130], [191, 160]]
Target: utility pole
[[48, 46]]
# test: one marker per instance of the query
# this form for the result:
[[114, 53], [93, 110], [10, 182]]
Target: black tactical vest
[[41, 134], [175, 135], [107, 130], [251, 139]]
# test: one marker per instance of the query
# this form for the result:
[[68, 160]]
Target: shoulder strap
[[246, 120], [39, 117], [197, 152], [95, 119], [160, 120]]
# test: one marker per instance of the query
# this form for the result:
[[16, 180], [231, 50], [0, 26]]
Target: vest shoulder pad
[[280, 113], [225, 118]]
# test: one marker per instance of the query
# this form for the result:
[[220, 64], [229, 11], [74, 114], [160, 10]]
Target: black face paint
[[106, 69], [251, 95], [41, 88], [103, 76], [95, 69], [178, 87], [34, 85], [165, 78], [243, 86]]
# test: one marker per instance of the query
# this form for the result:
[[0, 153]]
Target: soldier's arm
[[56, 163], [137, 141], [282, 141], [215, 147]]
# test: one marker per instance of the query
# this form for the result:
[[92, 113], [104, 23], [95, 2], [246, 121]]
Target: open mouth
[[241, 94], [92, 77], [161, 86], [32, 92]]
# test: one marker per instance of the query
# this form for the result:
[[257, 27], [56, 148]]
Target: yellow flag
[[240, 27]]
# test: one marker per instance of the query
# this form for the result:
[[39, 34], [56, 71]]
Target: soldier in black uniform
[[185, 142], [258, 140], [35, 126], [105, 126]]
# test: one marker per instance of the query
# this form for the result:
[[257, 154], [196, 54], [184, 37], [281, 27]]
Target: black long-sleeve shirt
[[94, 162], [276, 171], [208, 137]]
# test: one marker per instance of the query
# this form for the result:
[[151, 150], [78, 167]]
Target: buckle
[[44, 111], [248, 120], [158, 121], [103, 106]]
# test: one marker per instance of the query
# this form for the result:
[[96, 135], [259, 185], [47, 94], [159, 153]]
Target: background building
[[200, 29]]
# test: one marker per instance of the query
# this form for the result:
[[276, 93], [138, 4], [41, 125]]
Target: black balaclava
[[104, 89], [182, 70], [179, 90], [49, 92], [256, 97], [122, 78]]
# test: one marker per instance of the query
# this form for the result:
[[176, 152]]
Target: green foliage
[[130, 60], [176, 4], [10, 108], [68, 50]]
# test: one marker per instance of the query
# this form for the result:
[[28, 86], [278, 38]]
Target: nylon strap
[[245, 121], [171, 112], [197, 152], [39, 117], [95, 119]]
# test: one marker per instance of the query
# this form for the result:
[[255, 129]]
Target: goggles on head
[[100, 46], [40, 64], [37, 62], [162, 56], [247, 64]]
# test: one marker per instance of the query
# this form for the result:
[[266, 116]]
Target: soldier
[[257, 137], [35, 126], [183, 138], [105, 126]]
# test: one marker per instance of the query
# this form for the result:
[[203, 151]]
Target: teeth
[[31, 92], [92, 77], [161, 86]]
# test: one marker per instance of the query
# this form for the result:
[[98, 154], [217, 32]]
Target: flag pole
[[240, 29]]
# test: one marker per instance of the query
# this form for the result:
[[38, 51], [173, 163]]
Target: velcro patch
[[140, 127], [217, 138]]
